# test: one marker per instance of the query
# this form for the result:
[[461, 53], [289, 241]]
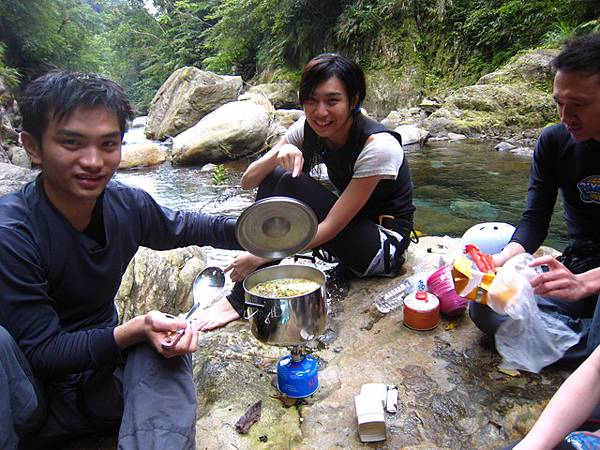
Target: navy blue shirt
[[57, 285], [560, 163]]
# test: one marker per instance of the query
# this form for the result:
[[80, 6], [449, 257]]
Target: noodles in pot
[[284, 287]]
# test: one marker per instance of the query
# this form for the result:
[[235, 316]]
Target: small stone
[[504, 146], [509, 372], [456, 136]]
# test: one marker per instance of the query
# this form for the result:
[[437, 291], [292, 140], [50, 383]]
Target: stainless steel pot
[[290, 320]]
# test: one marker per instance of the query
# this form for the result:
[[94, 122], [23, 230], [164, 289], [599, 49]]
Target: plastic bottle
[[394, 298]]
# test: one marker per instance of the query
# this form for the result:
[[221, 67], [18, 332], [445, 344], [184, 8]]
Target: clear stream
[[456, 185]]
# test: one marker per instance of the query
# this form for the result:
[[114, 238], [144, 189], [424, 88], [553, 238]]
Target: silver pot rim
[[281, 268]]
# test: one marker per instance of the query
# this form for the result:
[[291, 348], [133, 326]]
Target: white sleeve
[[382, 157], [295, 133]]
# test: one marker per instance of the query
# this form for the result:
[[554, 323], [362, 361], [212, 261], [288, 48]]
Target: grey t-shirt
[[382, 156]]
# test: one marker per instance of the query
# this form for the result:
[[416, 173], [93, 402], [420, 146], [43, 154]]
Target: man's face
[[78, 156], [577, 98]]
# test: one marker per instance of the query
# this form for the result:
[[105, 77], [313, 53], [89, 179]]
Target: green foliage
[[447, 42], [8, 74], [241, 27], [252, 36], [41, 35], [141, 49], [130, 43], [220, 174]]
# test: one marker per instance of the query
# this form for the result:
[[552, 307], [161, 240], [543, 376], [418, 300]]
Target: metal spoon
[[207, 286]]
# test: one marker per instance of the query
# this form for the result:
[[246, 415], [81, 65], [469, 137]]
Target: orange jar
[[421, 311]]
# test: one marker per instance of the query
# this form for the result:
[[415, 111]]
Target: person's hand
[[243, 265], [290, 158], [510, 250], [499, 259], [558, 281], [157, 327]]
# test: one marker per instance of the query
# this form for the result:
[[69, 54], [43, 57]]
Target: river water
[[456, 185]]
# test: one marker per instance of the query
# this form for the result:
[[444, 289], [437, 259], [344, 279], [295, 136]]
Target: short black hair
[[57, 93], [326, 65], [580, 54]]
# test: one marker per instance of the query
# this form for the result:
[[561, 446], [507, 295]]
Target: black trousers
[[584, 317], [355, 246]]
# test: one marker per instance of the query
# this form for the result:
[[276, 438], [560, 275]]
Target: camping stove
[[297, 373]]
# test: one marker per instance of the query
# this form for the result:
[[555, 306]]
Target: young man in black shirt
[[66, 366], [566, 160]]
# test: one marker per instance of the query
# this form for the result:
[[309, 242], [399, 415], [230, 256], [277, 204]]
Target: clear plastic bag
[[529, 339]]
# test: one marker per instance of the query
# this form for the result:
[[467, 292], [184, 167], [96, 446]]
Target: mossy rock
[[230, 372], [494, 110], [532, 67]]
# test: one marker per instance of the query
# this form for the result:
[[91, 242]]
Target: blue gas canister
[[298, 379]]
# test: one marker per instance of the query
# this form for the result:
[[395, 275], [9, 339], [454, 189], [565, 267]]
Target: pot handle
[[248, 317], [309, 258], [255, 305]]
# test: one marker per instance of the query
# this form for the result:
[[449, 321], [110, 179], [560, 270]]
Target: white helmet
[[489, 237]]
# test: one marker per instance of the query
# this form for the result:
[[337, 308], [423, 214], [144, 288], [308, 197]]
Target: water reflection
[[457, 185], [460, 184]]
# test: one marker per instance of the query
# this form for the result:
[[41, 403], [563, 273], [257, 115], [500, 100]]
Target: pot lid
[[276, 227]]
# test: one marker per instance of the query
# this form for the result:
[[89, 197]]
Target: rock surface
[[412, 134], [512, 103], [388, 90], [451, 394], [159, 280], [12, 177], [283, 95]]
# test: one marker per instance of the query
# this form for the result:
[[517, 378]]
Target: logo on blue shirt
[[590, 189]]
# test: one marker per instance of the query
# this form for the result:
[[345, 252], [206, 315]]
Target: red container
[[421, 311], [441, 284]]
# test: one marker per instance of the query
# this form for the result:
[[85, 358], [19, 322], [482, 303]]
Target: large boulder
[[4, 157], [282, 120], [233, 130], [159, 280], [412, 134], [389, 90], [513, 102], [287, 117], [404, 116], [187, 96], [532, 67], [283, 94], [494, 111], [260, 99], [142, 154], [10, 118], [18, 156]]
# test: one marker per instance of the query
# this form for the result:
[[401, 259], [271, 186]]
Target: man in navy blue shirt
[[67, 366], [566, 160]]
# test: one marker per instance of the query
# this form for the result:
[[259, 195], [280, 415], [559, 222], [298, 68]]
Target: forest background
[[139, 43]]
